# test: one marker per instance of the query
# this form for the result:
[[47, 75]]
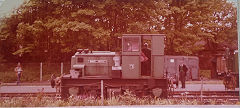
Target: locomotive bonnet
[[90, 64]]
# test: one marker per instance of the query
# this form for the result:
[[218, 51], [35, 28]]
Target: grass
[[114, 101], [123, 100]]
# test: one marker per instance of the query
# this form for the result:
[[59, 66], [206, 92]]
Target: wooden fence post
[[61, 68], [102, 98], [41, 71]]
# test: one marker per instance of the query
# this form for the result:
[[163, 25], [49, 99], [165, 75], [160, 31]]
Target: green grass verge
[[126, 100]]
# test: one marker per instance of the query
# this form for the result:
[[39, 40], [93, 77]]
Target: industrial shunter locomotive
[[119, 71]]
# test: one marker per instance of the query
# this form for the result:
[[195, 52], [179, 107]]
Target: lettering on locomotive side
[[97, 61]]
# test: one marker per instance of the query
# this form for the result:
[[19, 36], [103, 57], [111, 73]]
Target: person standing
[[18, 71], [53, 77], [146, 64], [182, 71]]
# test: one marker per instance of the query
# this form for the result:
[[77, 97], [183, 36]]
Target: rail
[[207, 95], [48, 94]]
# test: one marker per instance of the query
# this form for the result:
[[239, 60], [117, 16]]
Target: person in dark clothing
[[176, 81], [146, 65], [53, 77], [182, 74]]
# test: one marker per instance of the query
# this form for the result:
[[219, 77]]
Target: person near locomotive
[[18, 71], [146, 63], [182, 74]]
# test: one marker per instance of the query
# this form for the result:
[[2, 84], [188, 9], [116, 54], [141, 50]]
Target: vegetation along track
[[38, 94], [207, 95]]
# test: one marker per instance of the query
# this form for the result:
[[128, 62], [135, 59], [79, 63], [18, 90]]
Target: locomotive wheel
[[157, 92], [93, 93], [73, 91], [64, 92]]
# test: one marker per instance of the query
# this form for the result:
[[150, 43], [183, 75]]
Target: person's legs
[[19, 77], [183, 82], [176, 83], [148, 70], [144, 68], [141, 68]]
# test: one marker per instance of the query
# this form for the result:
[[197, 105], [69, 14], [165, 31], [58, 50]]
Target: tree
[[67, 24], [52, 30], [188, 24]]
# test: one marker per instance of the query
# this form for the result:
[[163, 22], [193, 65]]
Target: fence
[[32, 72]]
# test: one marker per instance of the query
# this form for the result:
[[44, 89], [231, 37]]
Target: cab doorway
[[145, 56]]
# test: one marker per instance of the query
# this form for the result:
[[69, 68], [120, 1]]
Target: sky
[[233, 1], [7, 6]]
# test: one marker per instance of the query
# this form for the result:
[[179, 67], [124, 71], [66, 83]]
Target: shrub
[[7, 77]]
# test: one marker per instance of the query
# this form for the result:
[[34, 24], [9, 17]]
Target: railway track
[[48, 94], [207, 95]]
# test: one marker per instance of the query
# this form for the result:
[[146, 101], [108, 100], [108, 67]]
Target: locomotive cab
[[142, 56]]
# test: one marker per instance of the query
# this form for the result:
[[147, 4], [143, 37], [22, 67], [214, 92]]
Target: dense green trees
[[53, 29], [192, 26]]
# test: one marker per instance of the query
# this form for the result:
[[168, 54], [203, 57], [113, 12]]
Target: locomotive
[[119, 71]]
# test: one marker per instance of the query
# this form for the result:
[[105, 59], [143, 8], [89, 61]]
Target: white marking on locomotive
[[97, 61], [131, 66]]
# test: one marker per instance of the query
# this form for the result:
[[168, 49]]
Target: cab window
[[131, 44]]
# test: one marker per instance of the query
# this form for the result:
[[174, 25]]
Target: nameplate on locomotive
[[97, 61]]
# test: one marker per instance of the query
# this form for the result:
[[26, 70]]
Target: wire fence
[[32, 71]]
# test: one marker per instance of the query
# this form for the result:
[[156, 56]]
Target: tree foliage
[[190, 25], [54, 29]]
